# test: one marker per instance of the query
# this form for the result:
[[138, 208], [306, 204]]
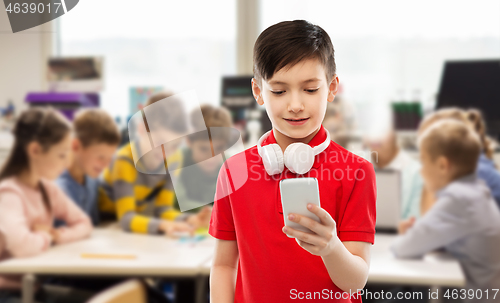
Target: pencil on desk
[[108, 256]]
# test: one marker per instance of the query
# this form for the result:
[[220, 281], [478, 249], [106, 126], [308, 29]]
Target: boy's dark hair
[[172, 117], [289, 42], [94, 126]]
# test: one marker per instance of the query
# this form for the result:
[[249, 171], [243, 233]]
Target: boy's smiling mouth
[[296, 121]]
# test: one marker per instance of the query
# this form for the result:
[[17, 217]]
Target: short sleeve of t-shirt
[[221, 222], [358, 220]]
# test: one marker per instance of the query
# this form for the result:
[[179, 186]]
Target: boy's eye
[[312, 90], [278, 92]]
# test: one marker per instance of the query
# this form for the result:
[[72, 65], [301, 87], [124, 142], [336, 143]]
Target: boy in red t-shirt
[[254, 260]]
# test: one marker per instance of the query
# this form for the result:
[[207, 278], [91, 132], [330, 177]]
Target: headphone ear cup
[[299, 158], [272, 157]]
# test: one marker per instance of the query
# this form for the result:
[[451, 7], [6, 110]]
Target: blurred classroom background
[[390, 56], [396, 61]]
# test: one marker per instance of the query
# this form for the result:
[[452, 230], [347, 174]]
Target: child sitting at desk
[[30, 200], [196, 187], [464, 220], [96, 140], [140, 193], [485, 169], [387, 154]]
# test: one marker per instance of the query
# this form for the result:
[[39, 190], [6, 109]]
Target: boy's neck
[[445, 181], [77, 173], [283, 140], [453, 178]]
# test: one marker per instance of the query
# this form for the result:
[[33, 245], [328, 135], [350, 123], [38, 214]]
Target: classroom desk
[[434, 270], [127, 255], [157, 256]]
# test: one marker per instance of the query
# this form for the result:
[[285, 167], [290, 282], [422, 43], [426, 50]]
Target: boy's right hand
[[405, 225], [173, 228]]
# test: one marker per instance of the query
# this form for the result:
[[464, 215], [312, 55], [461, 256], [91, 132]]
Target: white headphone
[[293, 158]]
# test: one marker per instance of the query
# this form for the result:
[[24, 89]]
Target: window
[[388, 48], [180, 45]]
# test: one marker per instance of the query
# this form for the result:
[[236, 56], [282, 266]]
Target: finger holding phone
[[313, 227], [323, 239]]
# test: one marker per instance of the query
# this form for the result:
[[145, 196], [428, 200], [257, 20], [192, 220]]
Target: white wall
[[23, 58]]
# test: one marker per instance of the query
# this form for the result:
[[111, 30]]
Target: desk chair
[[132, 291]]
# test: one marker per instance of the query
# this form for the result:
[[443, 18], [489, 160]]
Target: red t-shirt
[[273, 267]]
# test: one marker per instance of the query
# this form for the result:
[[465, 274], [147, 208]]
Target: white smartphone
[[296, 193]]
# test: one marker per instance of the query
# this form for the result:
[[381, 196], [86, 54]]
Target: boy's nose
[[295, 105]]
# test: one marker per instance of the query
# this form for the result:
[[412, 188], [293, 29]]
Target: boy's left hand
[[201, 219], [405, 225], [324, 238]]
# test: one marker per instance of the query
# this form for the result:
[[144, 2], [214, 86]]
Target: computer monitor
[[389, 195], [473, 84], [237, 92], [76, 74]]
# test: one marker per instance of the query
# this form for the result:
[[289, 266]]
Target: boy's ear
[[257, 94], [443, 164], [333, 88]]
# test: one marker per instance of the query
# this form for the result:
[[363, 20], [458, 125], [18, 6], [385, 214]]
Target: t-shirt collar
[[319, 138], [66, 174], [470, 178]]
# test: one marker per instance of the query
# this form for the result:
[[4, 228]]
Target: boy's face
[[202, 154], [94, 158], [435, 172], [295, 97], [154, 159], [384, 148]]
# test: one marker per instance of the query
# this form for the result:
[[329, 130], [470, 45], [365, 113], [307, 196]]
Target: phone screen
[[296, 193]]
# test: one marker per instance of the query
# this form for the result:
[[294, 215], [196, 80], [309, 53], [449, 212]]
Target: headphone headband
[[318, 149], [274, 159]]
